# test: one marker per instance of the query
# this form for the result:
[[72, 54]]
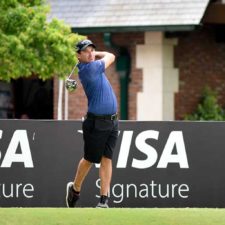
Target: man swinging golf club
[[100, 127]]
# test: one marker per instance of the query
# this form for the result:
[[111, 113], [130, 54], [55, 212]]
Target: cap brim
[[87, 46]]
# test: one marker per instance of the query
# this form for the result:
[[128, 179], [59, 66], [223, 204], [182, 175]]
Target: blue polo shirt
[[99, 92]]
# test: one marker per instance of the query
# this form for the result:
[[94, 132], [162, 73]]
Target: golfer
[[100, 127]]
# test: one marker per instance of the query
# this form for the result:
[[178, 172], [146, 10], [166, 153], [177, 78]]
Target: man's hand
[[109, 58]]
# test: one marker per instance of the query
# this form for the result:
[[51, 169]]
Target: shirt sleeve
[[96, 67]]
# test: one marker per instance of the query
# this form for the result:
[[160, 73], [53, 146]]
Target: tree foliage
[[208, 108], [30, 45]]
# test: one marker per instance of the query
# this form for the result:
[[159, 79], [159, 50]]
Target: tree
[[29, 45]]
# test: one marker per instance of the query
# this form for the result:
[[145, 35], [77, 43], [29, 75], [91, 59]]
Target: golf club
[[71, 84]]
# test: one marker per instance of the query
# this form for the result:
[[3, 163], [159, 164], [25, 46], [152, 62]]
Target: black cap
[[84, 44]]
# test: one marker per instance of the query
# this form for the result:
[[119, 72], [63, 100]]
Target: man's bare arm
[[108, 58]]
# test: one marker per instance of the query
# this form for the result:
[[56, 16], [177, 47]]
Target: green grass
[[117, 216]]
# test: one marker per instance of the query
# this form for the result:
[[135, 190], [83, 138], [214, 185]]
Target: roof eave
[[166, 28]]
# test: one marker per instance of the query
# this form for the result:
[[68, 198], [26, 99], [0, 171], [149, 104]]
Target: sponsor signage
[[155, 164]]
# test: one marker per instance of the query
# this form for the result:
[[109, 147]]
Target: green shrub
[[208, 108]]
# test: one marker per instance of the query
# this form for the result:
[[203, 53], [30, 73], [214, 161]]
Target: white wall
[[160, 78]]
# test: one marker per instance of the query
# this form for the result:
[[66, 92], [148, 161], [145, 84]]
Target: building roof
[[129, 14]]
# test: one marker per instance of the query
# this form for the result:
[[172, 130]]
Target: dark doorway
[[33, 98]]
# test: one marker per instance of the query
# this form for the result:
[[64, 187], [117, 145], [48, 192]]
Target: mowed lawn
[[112, 216]]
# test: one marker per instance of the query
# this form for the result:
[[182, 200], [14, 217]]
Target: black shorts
[[100, 136]]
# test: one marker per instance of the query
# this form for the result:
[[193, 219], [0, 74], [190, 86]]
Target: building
[[167, 51]]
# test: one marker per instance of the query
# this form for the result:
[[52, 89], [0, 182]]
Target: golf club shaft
[[72, 71]]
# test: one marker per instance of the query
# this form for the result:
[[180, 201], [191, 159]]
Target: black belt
[[102, 117]]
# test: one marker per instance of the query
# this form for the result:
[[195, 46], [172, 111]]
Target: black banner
[[156, 164]]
